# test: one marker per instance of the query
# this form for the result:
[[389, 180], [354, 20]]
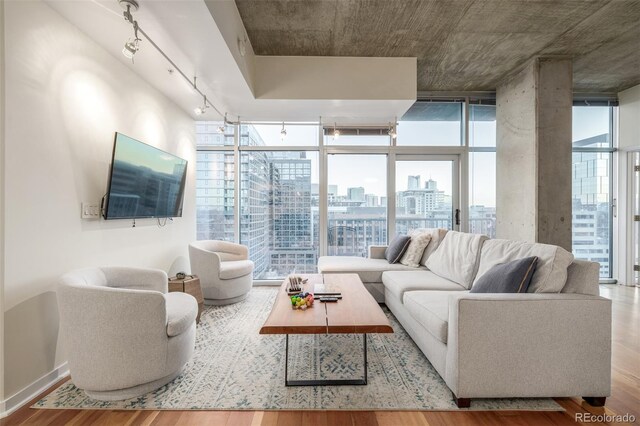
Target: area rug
[[235, 368]]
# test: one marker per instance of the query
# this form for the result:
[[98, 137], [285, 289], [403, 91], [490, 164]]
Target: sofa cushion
[[437, 235], [510, 277], [235, 268], [457, 257], [431, 310], [369, 270], [551, 270], [399, 282], [417, 245], [397, 247]]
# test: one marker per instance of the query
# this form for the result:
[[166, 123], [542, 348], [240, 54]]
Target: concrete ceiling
[[461, 45]]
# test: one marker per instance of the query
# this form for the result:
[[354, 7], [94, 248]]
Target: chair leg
[[462, 402], [595, 401]]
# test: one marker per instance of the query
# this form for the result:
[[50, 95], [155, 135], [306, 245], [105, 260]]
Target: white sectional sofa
[[554, 341]]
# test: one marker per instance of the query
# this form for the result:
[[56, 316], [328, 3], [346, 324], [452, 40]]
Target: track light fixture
[[132, 46], [392, 131], [221, 128], [336, 132], [283, 132], [201, 110]]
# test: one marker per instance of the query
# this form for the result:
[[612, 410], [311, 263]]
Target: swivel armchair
[[124, 334], [224, 268]]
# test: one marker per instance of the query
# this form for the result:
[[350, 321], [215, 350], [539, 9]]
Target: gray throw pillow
[[396, 248], [510, 277]]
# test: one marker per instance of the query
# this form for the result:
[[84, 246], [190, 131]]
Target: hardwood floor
[[625, 397]]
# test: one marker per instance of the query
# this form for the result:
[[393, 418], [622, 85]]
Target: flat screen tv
[[145, 182]]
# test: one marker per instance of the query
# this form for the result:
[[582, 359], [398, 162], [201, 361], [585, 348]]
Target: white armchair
[[224, 268], [124, 334]]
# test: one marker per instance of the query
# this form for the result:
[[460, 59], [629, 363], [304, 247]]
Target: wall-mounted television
[[145, 182]]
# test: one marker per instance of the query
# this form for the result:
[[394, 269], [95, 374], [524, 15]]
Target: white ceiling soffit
[[208, 39]]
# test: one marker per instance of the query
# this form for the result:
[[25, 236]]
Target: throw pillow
[[510, 277], [414, 252], [396, 248]]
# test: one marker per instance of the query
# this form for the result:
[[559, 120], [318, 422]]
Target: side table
[[190, 285]]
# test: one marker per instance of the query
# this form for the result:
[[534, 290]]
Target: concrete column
[[534, 153]]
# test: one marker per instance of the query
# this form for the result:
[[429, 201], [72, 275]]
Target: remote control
[[329, 299]]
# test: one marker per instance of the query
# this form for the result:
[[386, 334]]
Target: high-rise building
[[291, 227], [276, 198], [413, 182], [371, 200], [355, 194], [591, 213]]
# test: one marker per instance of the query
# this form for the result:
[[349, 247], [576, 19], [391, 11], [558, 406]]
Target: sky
[[589, 121]]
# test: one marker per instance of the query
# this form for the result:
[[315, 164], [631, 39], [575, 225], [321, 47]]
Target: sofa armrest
[[182, 310], [137, 278], [233, 248], [528, 345], [377, 252]]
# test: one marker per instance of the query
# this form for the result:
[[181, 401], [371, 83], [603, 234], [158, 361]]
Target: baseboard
[[16, 401]]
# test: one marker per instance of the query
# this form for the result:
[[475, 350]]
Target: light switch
[[90, 210]]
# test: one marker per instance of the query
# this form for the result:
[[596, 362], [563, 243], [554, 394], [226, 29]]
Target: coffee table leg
[[323, 382]]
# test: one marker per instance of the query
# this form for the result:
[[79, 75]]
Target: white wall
[[628, 141], [2, 250], [65, 98]]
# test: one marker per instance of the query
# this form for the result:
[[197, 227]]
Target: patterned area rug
[[236, 368]]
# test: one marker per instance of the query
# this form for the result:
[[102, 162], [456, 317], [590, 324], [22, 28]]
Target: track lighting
[[221, 128], [132, 46], [336, 132], [392, 132], [201, 110], [283, 132]]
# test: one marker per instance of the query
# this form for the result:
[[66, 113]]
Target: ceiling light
[[336, 132], [221, 128], [283, 132], [201, 110], [392, 130], [130, 48]]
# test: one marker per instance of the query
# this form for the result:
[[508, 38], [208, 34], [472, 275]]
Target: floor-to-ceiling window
[[356, 203], [482, 168], [278, 200], [429, 148], [215, 181], [293, 192], [593, 147]]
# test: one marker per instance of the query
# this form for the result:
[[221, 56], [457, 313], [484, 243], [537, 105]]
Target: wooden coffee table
[[356, 313]]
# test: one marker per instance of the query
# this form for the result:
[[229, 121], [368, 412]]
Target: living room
[[393, 155]]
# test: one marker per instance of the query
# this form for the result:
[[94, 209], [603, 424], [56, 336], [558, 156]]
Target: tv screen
[[145, 182]]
